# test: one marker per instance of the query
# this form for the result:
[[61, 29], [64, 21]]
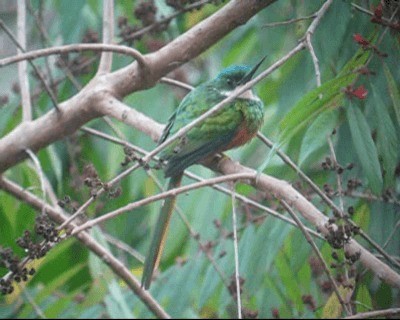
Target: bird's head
[[233, 77]]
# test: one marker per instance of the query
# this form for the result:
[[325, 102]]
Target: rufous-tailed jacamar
[[232, 126]]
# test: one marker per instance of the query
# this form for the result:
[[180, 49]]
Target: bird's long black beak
[[251, 73]]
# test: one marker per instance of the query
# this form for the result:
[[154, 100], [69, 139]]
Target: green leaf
[[210, 284], [311, 105], [292, 289], [383, 296], [55, 162], [116, 304], [365, 147], [362, 216], [315, 137], [364, 299], [7, 113], [71, 23], [327, 95], [393, 91], [51, 287], [387, 140], [333, 309]]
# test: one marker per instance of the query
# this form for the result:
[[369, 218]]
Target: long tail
[[157, 244]]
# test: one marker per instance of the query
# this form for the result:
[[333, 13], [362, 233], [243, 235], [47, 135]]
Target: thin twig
[[324, 197], [318, 253], [35, 69], [237, 92], [319, 14], [28, 296], [302, 175], [192, 232], [177, 83], [193, 176], [141, 32], [236, 253], [162, 195], [338, 176], [391, 235], [108, 33], [118, 268], [108, 40], [75, 48], [39, 171], [362, 9], [256, 205], [99, 192], [370, 197], [314, 59], [220, 188], [46, 41], [341, 205], [370, 13], [22, 66], [283, 23], [124, 247], [39, 20], [388, 313], [387, 25]]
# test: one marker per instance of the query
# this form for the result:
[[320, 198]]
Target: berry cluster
[[46, 235], [130, 156]]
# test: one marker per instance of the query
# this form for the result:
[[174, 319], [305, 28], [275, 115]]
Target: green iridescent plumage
[[216, 132], [232, 126]]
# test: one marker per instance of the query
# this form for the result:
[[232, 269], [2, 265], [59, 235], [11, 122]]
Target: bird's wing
[[195, 149], [209, 137]]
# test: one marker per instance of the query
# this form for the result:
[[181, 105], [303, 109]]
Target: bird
[[232, 126]]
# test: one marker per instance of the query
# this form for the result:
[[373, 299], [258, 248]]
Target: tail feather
[[160, 233]]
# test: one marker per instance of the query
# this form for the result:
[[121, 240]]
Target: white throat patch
[[247, 95]]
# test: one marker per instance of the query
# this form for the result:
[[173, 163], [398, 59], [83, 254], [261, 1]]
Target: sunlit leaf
[[333, 308], [363, 298]]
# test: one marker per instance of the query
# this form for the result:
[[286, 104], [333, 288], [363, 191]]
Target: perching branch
[[283, 190]]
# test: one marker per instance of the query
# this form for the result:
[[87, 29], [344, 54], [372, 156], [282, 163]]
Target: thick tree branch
[[189, 45], [83, 107]]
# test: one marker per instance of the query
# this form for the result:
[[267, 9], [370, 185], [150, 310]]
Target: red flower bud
[[360, 40]]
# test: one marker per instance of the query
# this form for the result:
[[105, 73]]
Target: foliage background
[[276, 262]]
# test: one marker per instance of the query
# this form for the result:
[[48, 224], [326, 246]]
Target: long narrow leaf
[[393, 91], [321, 98], [365, 147], [315, 137], [387, 140]]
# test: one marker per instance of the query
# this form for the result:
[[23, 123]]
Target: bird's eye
[[229, 82]]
